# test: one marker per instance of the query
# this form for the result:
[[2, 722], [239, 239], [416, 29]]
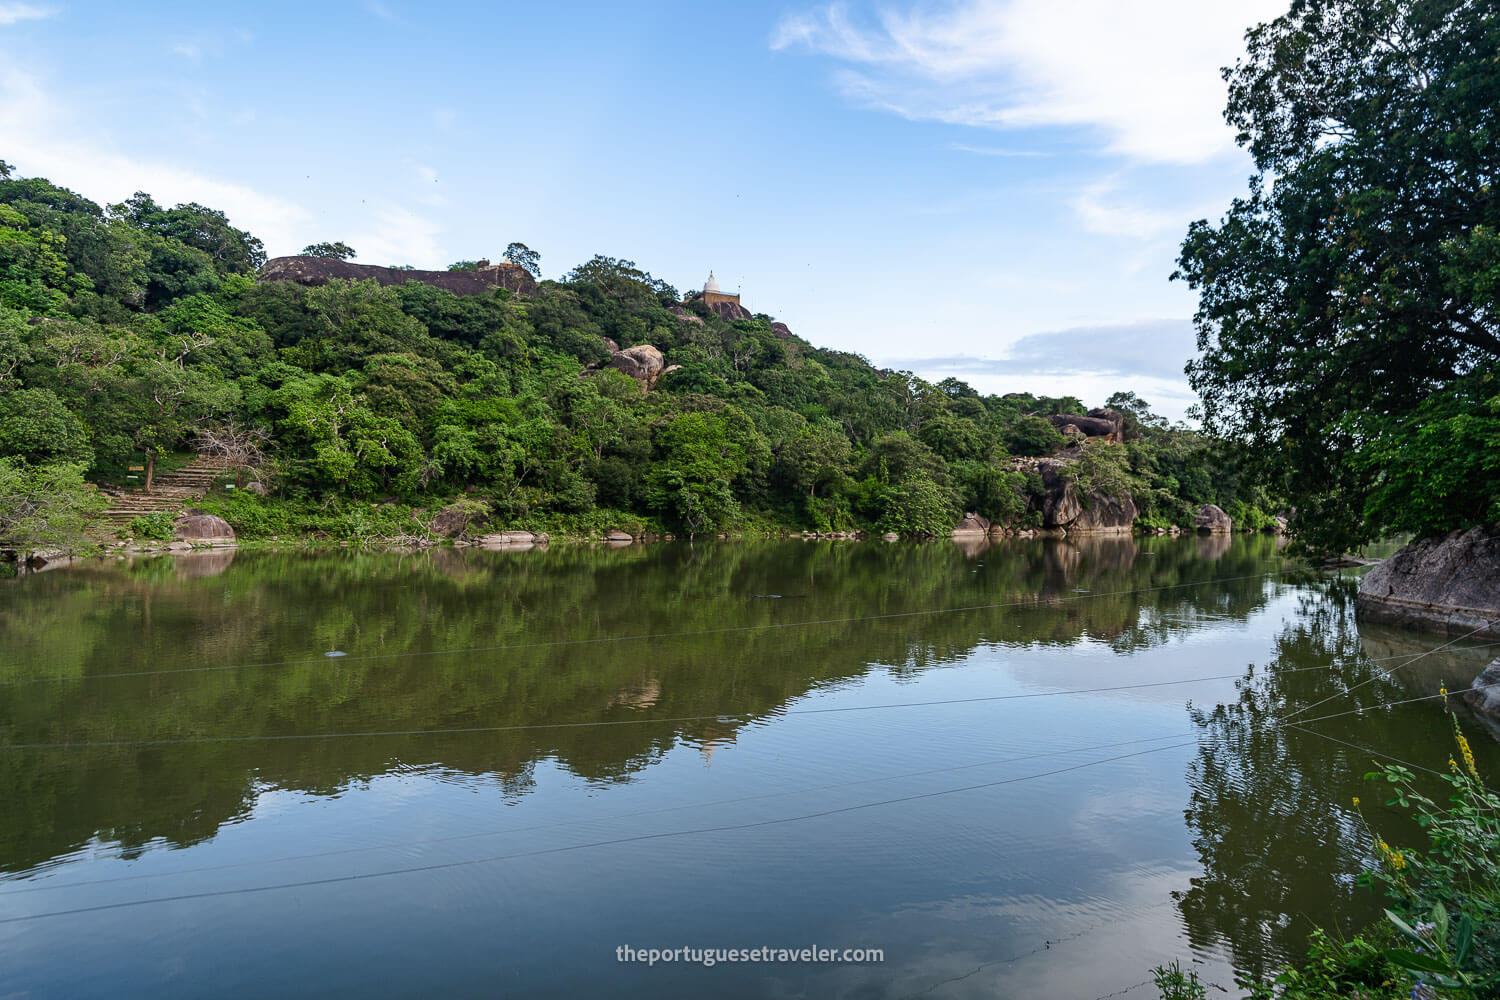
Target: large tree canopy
[[1357, 280]]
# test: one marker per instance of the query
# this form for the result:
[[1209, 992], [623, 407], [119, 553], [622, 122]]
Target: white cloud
[[1101, 211], [991, 151], [1145, 74], [40, 139], [398, 236], [190, 51], [11, 13]]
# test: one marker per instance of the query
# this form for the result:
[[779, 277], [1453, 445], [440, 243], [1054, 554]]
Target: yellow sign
[[137, 468]]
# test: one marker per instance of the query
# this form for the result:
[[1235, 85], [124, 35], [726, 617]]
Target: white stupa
[[711, 285]]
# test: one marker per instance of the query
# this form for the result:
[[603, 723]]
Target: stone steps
[[170, 492]]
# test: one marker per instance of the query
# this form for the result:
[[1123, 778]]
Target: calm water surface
[[1035, 769]]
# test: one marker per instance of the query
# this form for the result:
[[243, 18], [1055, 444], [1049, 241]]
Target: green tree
[[44, 506], [1338, 298], [526, 258], [337, 251]]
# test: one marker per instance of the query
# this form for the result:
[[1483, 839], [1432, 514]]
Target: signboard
[[137, 468]]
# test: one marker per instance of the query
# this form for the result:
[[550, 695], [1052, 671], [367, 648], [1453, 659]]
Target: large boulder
[[1483, 694], [1211, 520], [196, 527], [644, 363], [450, 522], [1063, 506], [972, 524], [1100, 423], [1448, 584]]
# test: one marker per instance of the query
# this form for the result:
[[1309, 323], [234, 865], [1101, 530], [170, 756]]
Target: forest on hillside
[[132, 333]]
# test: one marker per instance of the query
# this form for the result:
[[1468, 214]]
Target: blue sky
[[992, 189]]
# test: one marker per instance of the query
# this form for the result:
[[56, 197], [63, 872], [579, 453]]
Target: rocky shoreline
[[1449, 584]]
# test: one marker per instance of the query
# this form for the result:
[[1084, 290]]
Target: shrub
[[158, 525]]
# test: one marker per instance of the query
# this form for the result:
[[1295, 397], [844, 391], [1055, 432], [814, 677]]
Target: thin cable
[[1391, 704], [638, 838], [289, 737], [1376, 753], [1032, 602], [48, 887], [1387, 673]]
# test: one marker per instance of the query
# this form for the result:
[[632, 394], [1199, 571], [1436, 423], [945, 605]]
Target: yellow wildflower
[[1463, 745], [1356, 801]]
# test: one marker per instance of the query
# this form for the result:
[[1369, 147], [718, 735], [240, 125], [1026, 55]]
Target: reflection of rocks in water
[[199, 565], [971, 545], [1213, 547], [1391, 647], [1070, 560], [642, 694], [709, 737]]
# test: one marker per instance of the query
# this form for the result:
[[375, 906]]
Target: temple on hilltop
[[722, 302], [712, 294]]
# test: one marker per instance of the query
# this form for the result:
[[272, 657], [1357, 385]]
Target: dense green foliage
[[1439, 938], [128, 332], [1347, 317]]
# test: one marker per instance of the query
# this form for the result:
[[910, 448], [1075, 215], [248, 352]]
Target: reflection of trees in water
[[272, 607], [1270, 805]]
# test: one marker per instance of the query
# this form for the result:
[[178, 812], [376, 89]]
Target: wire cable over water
[[617, 841]]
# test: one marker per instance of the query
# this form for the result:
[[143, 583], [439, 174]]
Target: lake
[[1027, 768]]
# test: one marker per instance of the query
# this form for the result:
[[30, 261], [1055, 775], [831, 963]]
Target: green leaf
[[1413, 962], [1403, 926]]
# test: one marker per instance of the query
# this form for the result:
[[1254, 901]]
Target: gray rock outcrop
[[322, 270], [1063, 506], [644, 363], [1484, 693], [203, 528], [972, 524], [1211, 520], [1450, 584]]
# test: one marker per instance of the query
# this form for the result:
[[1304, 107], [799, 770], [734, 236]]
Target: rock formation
[[1211, 520], [1483, 694], [644, 363], [1063, 507], [1100, 423], [1446, 584], [731, 310], [450, 522], [321, 270], [198, 527], [972, 524]]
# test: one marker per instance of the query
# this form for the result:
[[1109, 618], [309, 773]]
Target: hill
[[600, 400]]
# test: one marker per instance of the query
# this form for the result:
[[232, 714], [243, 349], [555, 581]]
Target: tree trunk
[[150, 468]]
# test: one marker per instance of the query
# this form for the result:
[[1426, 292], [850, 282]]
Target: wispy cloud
[[42, 139], [1102, 210], [1155, 349], [12, 13], [381, 10], [1143, 74], [988, 151], [397, 235], [191, 51]]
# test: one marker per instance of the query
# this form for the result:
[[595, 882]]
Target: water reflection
[[542, 627], [534, 681], [1271, 804]]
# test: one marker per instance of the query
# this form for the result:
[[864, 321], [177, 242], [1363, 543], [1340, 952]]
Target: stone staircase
[[170, 492]]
